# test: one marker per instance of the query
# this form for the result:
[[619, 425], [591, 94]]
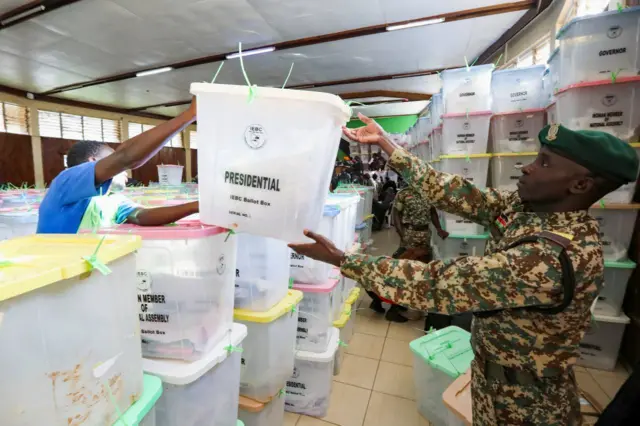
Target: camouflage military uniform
[[416, 217], [540, 345]]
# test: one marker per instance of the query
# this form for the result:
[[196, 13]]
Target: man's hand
[[443, 234], [371, 132], [192, 112], [322, 250]]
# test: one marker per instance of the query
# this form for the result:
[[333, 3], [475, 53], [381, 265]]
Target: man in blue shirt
[[81, 193]]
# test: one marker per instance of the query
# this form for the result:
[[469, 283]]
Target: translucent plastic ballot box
[[262, 272], [616, 223], [271, 154], [309, 387], [466, 133], [17, 222], [170, 174], [143, 412], [552, 113], [602, 105], [255, 413], [473, 167], [203, 392], [185, 287], [517, 131], [467, 89], [506, 169], [616, 278], [457, 398], [316, 314], [457, 245], [439, 359], [624, 194], [595, 46], [267, 359], [600, 345], [517, 89], [345, 325], [69, 315], [462, 226]]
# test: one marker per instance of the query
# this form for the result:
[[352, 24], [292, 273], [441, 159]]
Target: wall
[[16, 159], [390, 124]]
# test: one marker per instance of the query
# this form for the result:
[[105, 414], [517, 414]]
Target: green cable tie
[[293, 309], [5, 263], [215, 76], [341, 343], [281, 393], [498, 61], [290, 282], [602, 203], [252, 92], [620, 7], [467, 158], [466, 63], [231, 348], [114, 403], [614, 75], [288, 75], [231, 232], [94, 262]]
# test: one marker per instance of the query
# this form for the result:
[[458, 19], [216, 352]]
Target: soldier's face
[[551, 178]]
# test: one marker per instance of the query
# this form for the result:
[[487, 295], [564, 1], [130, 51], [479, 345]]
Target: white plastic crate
[[603, 106], [474, 167], [461, 245], [315, 315], [255, 413], [185, 287], [595, 46], [624, 194], [601, 343], [245, 183], [267, 360], [438, 359], [465, 133], [457, 225], [17, 223], [310, 271], [506, 169], [616, 226], [517, 132], [68, 330], [262, 272], [517, 89], [616, 277], [309, 388], [201, 392], [467, 89]]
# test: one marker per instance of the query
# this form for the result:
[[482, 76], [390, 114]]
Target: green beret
[[603, 154]]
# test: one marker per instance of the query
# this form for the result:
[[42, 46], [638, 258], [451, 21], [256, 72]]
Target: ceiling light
[[155, 71], [415, 24], [22, 15], [252, 52]]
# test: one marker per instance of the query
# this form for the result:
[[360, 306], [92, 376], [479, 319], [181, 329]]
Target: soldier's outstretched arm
[[527, 275], [450, 193]]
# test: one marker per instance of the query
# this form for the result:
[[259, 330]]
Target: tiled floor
[[375, 386]]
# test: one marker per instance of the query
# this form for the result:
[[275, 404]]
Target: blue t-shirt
[[67, 199]]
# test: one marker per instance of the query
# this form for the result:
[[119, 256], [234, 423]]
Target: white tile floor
[[375, 386]]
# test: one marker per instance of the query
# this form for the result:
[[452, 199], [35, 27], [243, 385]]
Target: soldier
[[532, 291]]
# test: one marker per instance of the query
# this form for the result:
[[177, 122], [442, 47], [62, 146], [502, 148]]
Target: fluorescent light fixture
[[252, 52], [155, 71], [22, 15], [415, 24]]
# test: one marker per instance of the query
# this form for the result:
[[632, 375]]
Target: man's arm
[[160, 216], [435, 220], [450, 193], [136, 151], [528, 275]]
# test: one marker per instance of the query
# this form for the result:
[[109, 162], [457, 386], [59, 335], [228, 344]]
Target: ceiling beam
[[541, 6], [79, 104], [357, 80], [310, 41], [30, 11], [409, 96]]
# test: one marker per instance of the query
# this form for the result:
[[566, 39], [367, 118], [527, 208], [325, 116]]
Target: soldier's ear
[[582, 185]]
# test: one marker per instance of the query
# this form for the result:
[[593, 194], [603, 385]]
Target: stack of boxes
[[594, 85]]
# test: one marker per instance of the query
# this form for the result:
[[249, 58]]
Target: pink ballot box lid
[[178, 231], [326, 287]]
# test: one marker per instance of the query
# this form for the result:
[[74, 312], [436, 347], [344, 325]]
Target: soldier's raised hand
[[371, 132]]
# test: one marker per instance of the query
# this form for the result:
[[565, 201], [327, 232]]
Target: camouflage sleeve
[[527, 275], [398, 202], [450, 193]]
